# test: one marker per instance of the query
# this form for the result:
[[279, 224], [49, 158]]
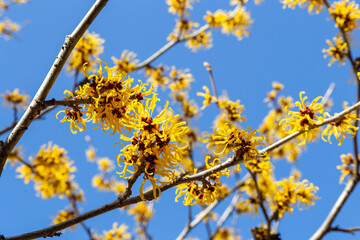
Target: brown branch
[[326, 225], [345, 230], [66, 103], [35, 105], [209, 69], [261, 201]]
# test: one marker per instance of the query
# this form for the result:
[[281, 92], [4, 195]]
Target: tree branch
[[326, 225], [235, 159], [35, 105], [345, 230]]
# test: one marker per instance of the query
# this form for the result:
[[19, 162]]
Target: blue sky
[[284, 46]]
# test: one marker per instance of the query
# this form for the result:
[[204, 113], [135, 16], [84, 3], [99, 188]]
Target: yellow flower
[[242, 142], [64, 215], [304, 120], [236, 23], [142, 212], [91, 154], [262, 233], [87, 50], [338, 51], [8, 28], [157, 77], [341, 128], [126, 64], [206, 191], [99, 182], [183, 29], [313, 5], [118, 187], [239, 24], [226, 234], [347, 166], [179, 7], [208, 97], [231, 110], [180, 79], [105, 165], [51, 172], [15, 99], [74, 116], [216, 19], [289, 193], [203, 39], [156, 147], [108, 100], [117, 232], [346, 14]]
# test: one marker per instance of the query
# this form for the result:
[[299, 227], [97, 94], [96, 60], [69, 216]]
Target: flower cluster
[[15, 99], [179, 7], [338, 51], [86, 51], [117, 232], [271, 129], [52, 172], [290, 193], [126, 63], [237, 22], [180, 79], [64, 215], [242, 142], [347, 166], [344, 127], [304, 120], [346, 14], [312, 5], [261, 233], [156, 147], [308, 121], [157, 76], [201, 40], [103, 182], [8, 28], [111, 102], [142, 212], [206, 191], [226, 234]]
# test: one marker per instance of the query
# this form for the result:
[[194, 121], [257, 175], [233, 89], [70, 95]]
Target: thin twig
[[346, 230], [209, 69], [33, 109], [261, 201]]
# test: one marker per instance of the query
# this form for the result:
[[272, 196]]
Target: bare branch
[[35, 105], [326, 225], [346, 230]]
